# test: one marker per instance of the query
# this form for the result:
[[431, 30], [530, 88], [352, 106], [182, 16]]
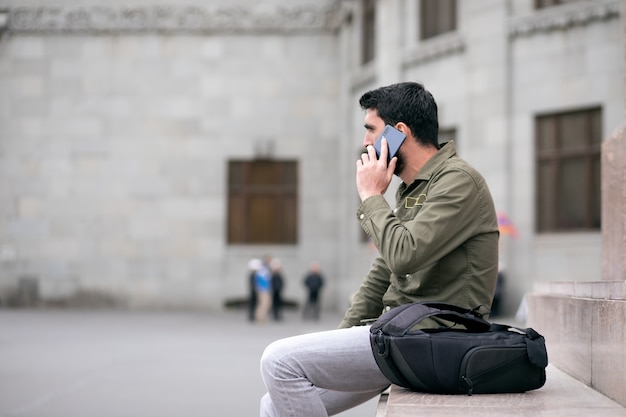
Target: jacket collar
[[446, 151]]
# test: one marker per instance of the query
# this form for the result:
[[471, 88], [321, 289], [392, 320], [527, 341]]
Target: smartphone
[[394, 137]]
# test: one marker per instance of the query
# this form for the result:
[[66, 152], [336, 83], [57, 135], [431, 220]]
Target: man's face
[[374, 126]]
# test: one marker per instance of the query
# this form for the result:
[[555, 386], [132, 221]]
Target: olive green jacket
[[440, 243]]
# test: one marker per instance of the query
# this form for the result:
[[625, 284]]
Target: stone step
[[562, 395]]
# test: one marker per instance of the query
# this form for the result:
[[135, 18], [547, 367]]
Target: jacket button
[[387, 308], [407, 276], [362, 216]]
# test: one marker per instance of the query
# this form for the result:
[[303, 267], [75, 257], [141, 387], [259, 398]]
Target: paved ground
[[68, 363], [86, 363]]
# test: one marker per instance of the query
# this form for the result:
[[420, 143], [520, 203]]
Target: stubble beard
[[399, 165]]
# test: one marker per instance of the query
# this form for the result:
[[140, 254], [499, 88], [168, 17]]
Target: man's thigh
[[338, 360]]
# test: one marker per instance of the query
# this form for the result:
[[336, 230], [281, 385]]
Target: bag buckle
[[470, 385], [381, 346]]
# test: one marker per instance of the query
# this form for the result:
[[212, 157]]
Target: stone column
[[583, 322], [614, 200], [614, 207]]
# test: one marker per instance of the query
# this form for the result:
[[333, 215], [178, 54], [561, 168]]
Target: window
[[368, 34], [437, 17], [540, 4], [568, 170], [262, 202]]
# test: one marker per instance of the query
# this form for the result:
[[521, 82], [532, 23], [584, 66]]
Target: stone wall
[[116, 126], [117, 121], [583, 324]]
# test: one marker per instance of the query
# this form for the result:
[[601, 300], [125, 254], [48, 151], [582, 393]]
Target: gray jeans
[[320, 374]]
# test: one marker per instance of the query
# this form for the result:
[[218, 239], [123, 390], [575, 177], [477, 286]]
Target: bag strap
[[399, 321], [535, 343], [453, 307]]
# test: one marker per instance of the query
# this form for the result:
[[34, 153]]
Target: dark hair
[[407, 102]]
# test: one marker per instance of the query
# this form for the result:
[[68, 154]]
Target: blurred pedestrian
[[253, 266], [278, 283], [263, 287], [314, 281]]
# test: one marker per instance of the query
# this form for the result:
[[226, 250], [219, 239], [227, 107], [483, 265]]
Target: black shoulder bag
[[471, 356]]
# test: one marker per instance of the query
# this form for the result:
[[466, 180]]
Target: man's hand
[[373, 175]]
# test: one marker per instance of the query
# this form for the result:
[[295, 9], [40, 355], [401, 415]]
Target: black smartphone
[[394, 137]]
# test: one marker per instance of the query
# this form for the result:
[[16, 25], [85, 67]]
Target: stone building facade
[[119, 125]]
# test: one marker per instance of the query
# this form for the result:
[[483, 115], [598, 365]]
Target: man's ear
[[402, 127]]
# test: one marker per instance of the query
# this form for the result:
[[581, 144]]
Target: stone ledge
[[562, 395], [565, 16], [600, 290], [583, 324], [205, 19]]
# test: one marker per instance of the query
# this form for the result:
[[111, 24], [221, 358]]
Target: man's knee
[[272, 360], [267, 407]]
